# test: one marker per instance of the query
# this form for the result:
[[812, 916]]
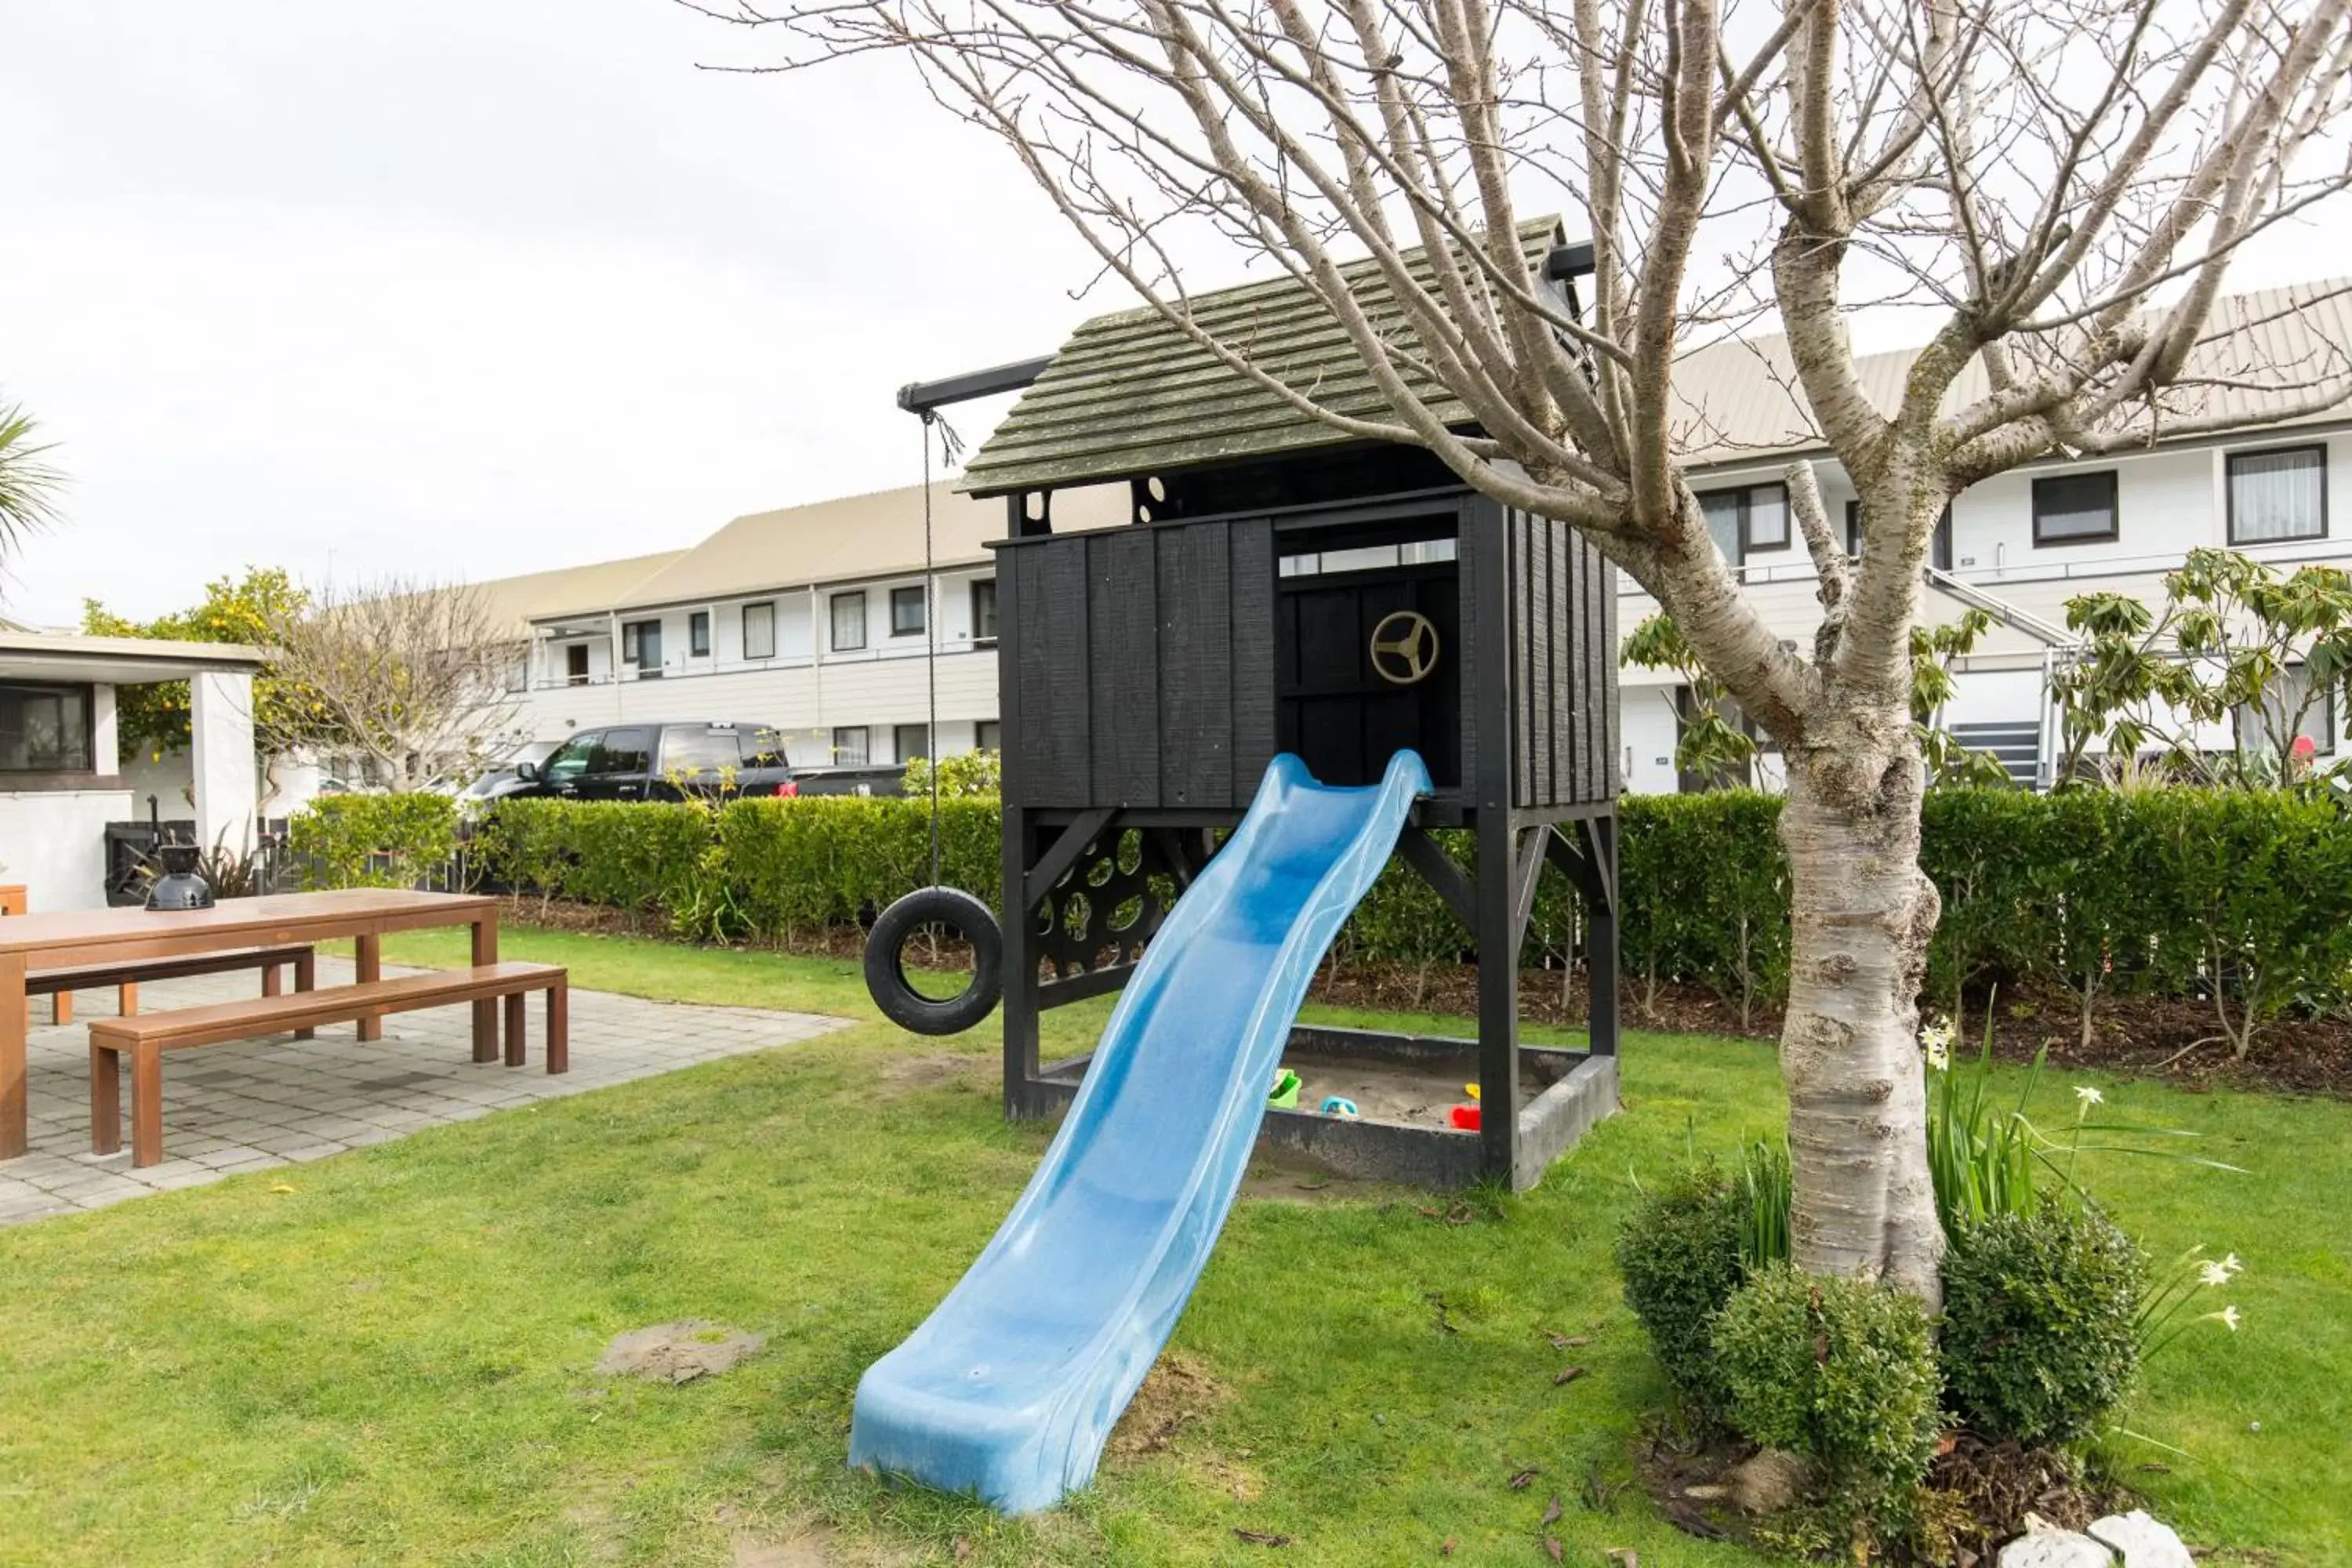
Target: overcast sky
[[472, 287], [468, 287]]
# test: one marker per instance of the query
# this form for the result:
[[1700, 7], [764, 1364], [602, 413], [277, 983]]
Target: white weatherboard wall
[[54, 842], [228, 798]]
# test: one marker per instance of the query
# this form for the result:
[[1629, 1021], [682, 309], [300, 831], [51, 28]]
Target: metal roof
[[1130, 395]]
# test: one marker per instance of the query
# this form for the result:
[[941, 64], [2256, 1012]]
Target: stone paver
[[278, 1101]]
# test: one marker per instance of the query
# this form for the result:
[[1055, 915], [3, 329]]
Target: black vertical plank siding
[[1196, 666], [1568, 762], [1251, 568], [1122, 667], [1054, 689], [1575, 649]]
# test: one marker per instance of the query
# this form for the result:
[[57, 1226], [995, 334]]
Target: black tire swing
[[927, 908]]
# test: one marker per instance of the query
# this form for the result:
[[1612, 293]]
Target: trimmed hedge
[[373, 840], [2151, 893]]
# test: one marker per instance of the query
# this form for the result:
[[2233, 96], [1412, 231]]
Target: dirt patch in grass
[[902, 1076], [678, 1352], [1178, 1392], [1287, 1176]]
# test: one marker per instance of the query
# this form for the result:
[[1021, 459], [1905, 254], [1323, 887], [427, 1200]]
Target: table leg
[[306, 978], [105, 1102], [486, 1012], [147, 1106], [61, 1008], [518, 1003], [557, 1050], [15, 1018], [369, 964]]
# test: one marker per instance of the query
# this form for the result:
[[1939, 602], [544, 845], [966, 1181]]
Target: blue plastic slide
[[1010, 1387]]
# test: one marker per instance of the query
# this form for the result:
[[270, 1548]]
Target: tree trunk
[[1862, 911]]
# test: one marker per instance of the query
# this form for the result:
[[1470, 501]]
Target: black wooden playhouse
[[1278, 589]]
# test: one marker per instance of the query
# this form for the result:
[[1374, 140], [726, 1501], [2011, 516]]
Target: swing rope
[[948, 446]]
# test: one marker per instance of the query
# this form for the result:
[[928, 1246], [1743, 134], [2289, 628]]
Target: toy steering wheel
[[1404, 648]]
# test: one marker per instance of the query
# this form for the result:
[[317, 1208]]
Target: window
[[759, 630], [570, 760], [2289, 690], [687, 749], [517, 672], [1939, 548], [2075, 509], [905, 611], [697, 633], [763, 748], [641, 645], [624, 751], [575, 665], [2278, 494], [909, 741], [1747, 520], [849, 743], [988, 735], [848, 621], [983, 610], [45, 729]]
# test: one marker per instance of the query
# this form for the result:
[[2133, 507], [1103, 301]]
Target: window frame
[[82, 695], [2114, 510], [979, 585], [981, 737], [833, 605], [921, 599], [2230, 491], [865, 733], [697, 633], [770, 606], [899, 733], [1746, 511], [579, 676], [633, 647]]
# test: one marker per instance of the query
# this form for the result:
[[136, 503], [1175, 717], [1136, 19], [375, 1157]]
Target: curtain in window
[[1722, 509], [2278, 495]]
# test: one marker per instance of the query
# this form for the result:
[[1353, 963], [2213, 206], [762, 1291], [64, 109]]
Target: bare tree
[[410, 675], [2057, 190]]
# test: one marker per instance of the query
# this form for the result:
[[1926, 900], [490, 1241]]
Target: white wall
[[54, 842]]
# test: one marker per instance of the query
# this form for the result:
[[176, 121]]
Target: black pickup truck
[[672, 762]]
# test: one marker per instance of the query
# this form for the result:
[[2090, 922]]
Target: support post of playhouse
[[1600, 939], [1485, 552], [1020, 931]]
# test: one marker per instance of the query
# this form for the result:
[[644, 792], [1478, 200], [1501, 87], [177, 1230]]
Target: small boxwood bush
[[373, 840], [1842, 1369], [2038, 1314], [1679, 1252]]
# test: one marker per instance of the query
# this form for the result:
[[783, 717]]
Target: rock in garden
[[677, 1352], [1770, 1481], [2055, 1549], [2141, 1542]]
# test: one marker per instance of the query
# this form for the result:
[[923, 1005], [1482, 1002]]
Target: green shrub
[[1841, 1370], [966, 774], [1679, 1253], [373, 840], [2040, 1310]]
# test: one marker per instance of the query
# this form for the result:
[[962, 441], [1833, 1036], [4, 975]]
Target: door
[[575, 665], [620, 766], [1368, 665]]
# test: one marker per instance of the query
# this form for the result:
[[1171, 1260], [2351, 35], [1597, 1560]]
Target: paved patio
[[280, 1101]]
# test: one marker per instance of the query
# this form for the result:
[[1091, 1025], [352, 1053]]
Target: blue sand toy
[[1010, 1389], [1338, 1105]]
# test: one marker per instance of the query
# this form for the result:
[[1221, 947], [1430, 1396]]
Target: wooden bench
[[124, 975], [145, 1037]]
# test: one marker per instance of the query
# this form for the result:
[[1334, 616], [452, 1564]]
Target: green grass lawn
[[385, 1357]]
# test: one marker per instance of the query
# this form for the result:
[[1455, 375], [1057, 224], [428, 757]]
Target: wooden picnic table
[[64, 938]]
